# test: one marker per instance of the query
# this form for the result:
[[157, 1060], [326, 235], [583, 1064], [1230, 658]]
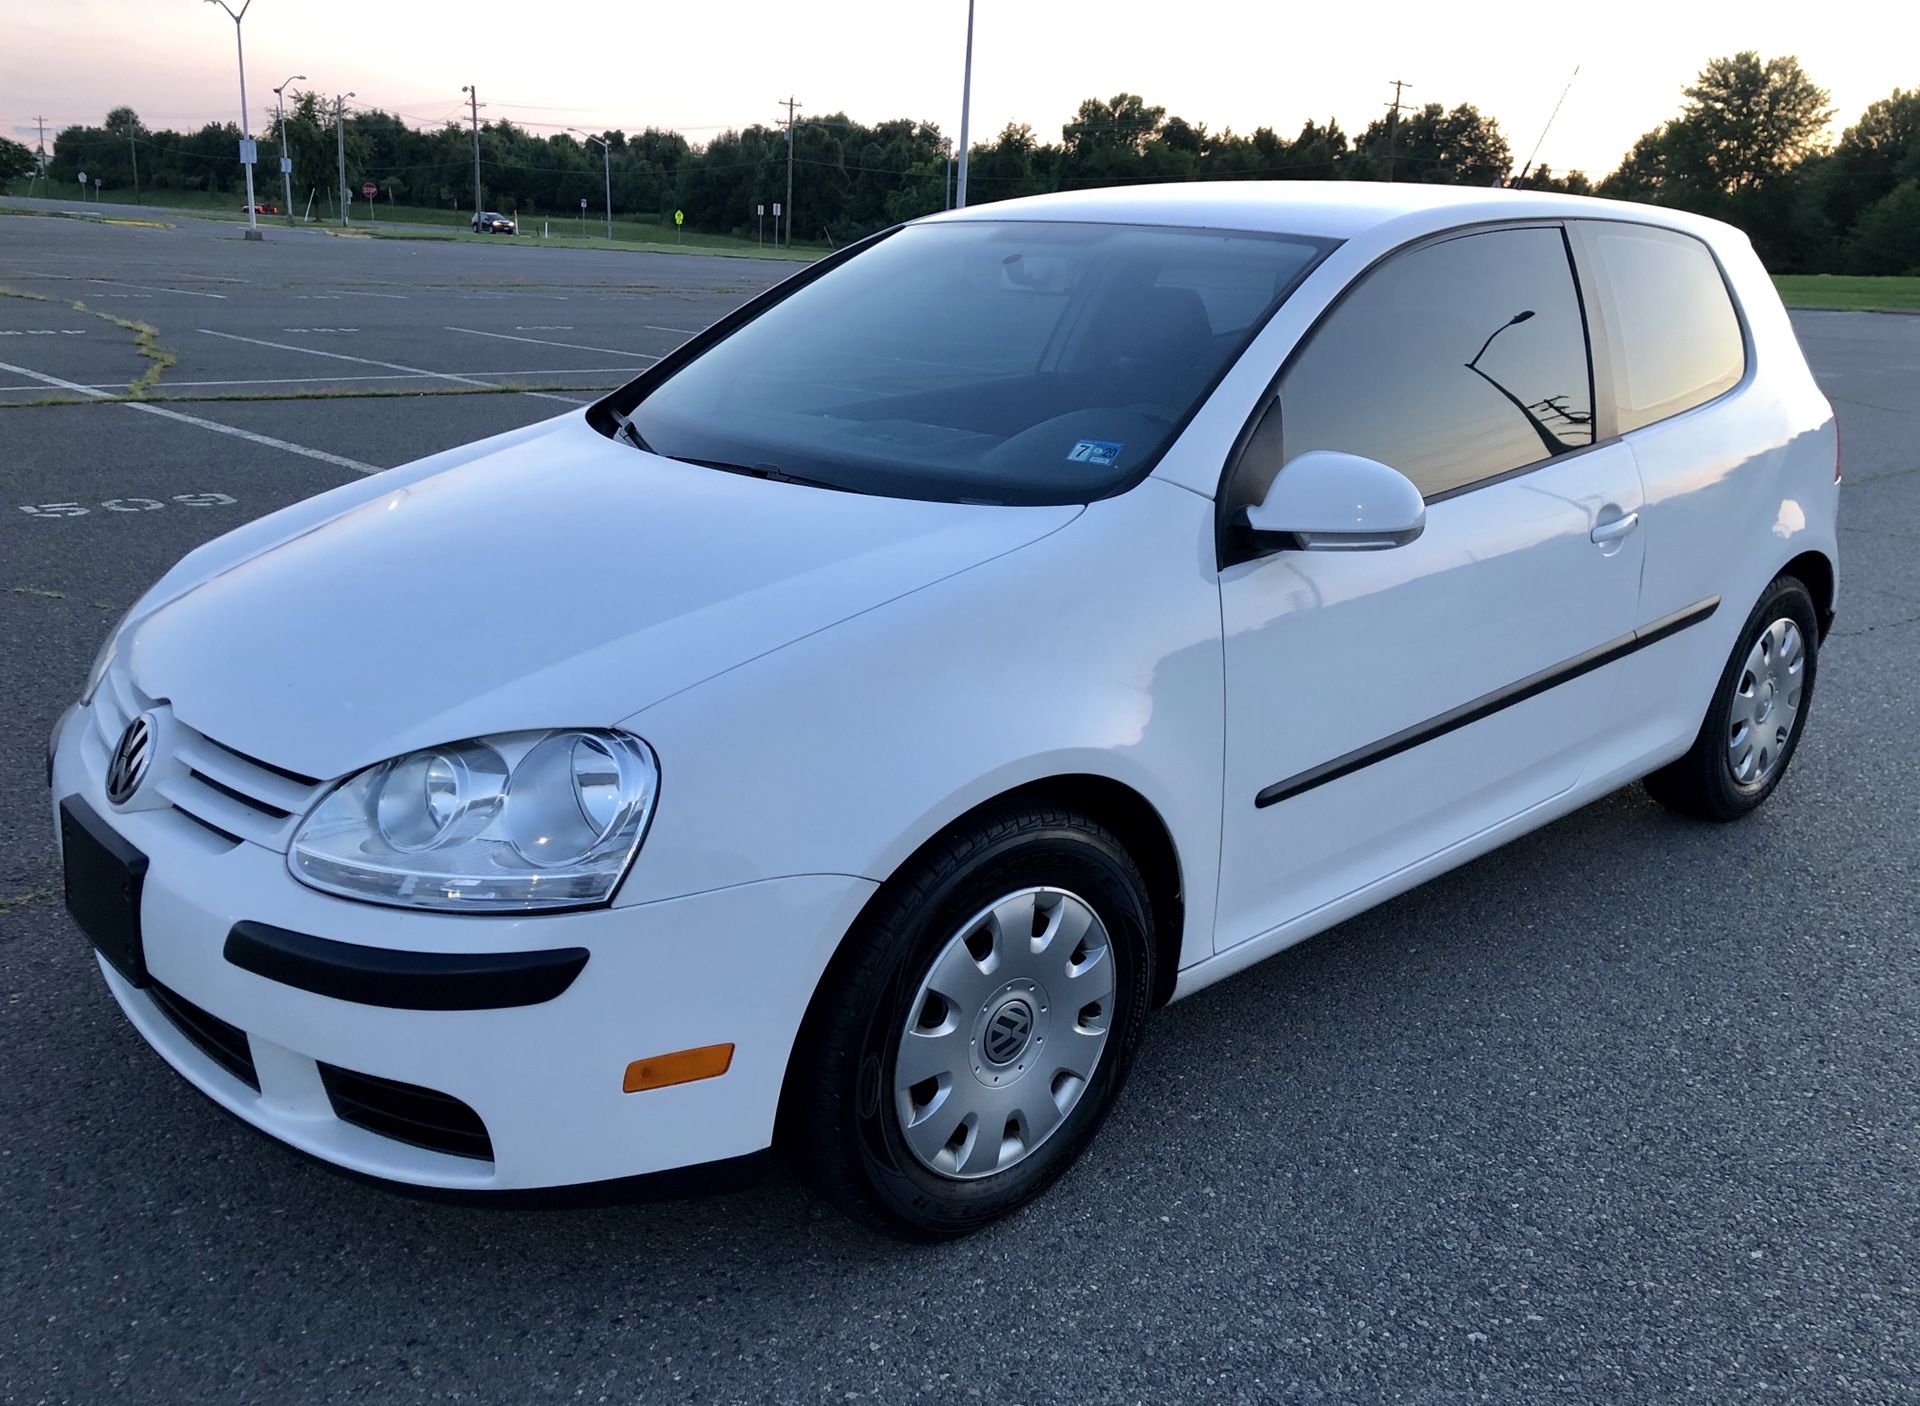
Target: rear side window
[[1453, 363], [1674, 339]]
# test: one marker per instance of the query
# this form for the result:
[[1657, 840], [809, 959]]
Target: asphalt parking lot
[[1624, 1112]]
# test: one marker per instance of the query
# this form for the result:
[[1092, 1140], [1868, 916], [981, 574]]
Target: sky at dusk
[[700, 68]]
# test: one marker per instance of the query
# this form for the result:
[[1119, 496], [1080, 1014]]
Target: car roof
[[1321, 209]]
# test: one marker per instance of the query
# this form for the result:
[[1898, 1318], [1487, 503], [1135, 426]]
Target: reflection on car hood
[[552, 579]]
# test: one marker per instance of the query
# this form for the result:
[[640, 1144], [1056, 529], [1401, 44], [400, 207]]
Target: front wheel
[[970, 1038], [1758, 711]]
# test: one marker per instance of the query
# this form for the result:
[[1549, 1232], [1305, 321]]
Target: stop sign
[[369, 190]]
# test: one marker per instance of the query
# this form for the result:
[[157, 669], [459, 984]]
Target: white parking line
[[184, 292], [267, 440], [543, 342], [683, 331], [388, 365]]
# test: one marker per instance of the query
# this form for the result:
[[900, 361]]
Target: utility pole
[[966, 104], [340, 150], [791, 104], [134, 152], [41, 150], [286, 166], [1393, 124], [473, 101]]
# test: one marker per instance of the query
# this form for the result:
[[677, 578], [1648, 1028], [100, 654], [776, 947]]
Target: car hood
[[548, 579]]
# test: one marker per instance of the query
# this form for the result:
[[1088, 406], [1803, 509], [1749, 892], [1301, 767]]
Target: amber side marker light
[[680, 1067]]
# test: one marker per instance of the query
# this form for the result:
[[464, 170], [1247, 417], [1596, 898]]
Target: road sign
[[760, 210], [583, 202], [249, 151], [83, 178], [286, 165], [369, 189], [776, 209], [679, 217]]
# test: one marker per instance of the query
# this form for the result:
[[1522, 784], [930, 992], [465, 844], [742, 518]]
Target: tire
[[1721, 778], [861, 1136]]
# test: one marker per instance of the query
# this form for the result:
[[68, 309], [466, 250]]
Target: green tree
[[1887, 238], [15, 159], [1457, 147], [1756, 119], [1747, 121], [1873, 156], [1543, 178]]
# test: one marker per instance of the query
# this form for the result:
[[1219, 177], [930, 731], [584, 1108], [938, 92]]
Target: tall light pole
[[340, 148], [473, 99], [966, 106], [286, 166], [246, 130], [606, 161]]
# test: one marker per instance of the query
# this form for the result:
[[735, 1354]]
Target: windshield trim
[[606, 415]]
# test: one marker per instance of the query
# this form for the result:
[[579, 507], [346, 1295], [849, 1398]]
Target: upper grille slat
[[220, 788], [236, 773]]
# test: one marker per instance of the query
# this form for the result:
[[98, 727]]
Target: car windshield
[[980, 361]]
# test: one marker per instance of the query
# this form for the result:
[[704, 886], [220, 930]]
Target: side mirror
[[1328, 501]]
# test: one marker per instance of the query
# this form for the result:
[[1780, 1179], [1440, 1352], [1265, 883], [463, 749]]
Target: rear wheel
[[970, 1038], [1758, 711]]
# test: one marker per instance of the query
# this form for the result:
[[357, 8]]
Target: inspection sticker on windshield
[[1094, 451]]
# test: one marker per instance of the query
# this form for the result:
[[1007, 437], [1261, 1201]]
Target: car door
[[1382, 706]]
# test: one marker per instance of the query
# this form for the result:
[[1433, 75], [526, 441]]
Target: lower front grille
[[224, 1044], [406, 1113]]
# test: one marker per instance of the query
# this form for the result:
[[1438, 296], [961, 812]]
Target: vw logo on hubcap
[[1007, 1032], [131, 758]]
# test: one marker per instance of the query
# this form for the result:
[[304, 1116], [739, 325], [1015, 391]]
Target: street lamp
[[606, 162], [246, 130], [286, 166]]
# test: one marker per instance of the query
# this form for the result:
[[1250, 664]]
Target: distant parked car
[[842, 737], [492, 222], [261, 209]]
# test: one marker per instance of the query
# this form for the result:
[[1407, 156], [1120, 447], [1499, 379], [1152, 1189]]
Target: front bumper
[[731, 966]]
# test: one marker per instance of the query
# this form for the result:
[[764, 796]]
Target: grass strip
[[146, 341]]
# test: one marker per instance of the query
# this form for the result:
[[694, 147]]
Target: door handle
[[1606, 532]]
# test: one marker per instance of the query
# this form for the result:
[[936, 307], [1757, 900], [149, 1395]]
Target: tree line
[[1747, 146]]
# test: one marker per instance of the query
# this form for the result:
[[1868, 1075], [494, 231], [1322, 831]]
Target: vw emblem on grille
[[131, 758], [1007, 1033]]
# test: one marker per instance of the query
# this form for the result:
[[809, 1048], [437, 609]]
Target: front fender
[[1095, 651]]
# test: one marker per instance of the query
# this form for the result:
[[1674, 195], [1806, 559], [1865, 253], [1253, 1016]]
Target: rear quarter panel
[[1735, 489]]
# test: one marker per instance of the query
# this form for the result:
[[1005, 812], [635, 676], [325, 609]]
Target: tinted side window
[[1452, 363], [1675, 340]]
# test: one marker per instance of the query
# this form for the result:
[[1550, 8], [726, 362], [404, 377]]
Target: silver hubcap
[[1766, 700], [1004, 1034]]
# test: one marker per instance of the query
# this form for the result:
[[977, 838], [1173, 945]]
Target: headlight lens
[[498, 824]]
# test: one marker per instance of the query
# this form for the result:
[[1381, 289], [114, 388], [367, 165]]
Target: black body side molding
[[1471, 712]]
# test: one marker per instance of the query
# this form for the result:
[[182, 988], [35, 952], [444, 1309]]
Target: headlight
[[498, 824], [104, 659]]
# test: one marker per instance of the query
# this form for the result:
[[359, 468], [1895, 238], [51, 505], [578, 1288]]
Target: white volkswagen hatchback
[[840, 738]]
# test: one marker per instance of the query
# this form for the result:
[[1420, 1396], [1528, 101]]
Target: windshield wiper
[[624, 427]]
